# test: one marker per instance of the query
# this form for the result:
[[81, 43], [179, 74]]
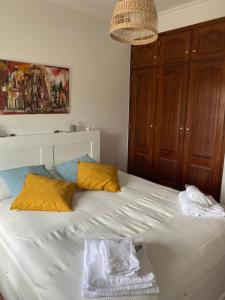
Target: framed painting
[[27, 88]]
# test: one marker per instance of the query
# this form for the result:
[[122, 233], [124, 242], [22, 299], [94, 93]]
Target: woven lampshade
[[135, 22]]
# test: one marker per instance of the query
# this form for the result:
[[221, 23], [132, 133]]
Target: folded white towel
[[96, 284], [197, 196], [194, 209], [120, 257]]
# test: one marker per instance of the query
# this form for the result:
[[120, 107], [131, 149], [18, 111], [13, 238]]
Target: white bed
[[41, 254]]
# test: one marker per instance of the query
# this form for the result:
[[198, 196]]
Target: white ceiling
[[103, 8]]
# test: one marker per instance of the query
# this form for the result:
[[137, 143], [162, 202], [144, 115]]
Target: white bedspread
[[49, 247]]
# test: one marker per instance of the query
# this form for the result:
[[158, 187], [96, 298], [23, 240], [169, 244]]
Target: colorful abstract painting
[[33, 89]]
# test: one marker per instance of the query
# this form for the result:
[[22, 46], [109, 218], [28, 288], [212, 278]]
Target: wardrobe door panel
[[175, 48], [142, 120], [146, 55], [209, 41], [171, 105], [204, 126]]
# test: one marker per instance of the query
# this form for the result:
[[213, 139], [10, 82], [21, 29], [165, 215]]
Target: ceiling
[[103, 8]]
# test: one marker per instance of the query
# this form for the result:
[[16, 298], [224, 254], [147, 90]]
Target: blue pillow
[[14, 178], [68, 170]]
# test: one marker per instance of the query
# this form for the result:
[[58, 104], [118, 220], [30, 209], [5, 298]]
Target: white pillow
[[4, 191]]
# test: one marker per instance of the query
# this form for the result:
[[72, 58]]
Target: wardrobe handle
[[186, 52], [188, 129], [181, 131], [155, 57], [193, 51], [151, 126]]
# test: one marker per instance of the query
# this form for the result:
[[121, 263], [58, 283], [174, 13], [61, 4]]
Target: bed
[[41, 254]]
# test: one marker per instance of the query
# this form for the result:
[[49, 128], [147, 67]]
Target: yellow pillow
[[45, 194], [93, 176]]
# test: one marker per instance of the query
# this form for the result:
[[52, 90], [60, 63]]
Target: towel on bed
[[120, 257], [192, 208], [97, 284], [197, 196]]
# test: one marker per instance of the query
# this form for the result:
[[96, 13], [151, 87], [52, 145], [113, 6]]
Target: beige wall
[[41, 32], [192, 13]]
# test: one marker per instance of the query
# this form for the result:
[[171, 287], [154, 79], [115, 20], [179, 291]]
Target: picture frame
[[27, 88]]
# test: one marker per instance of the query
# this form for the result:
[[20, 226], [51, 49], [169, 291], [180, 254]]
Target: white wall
[[191, 13], [222, 198], [42, 32]]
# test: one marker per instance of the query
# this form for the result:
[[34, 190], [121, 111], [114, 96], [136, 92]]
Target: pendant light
[[135, 22]]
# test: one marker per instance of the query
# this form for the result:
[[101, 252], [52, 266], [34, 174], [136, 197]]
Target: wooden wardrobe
[[177, 107]]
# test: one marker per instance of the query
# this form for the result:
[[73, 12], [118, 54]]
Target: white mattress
[[44, 251]]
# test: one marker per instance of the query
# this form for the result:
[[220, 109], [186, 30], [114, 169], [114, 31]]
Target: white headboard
[[48, 149]]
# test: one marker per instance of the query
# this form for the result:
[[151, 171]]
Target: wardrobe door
[[142, 119], [209, 41], [146, 55], [204, 126], [171, 106], [175, 48]]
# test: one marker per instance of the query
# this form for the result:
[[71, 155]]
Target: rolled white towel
[[197, 196], [120, 257], [192, 208]]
